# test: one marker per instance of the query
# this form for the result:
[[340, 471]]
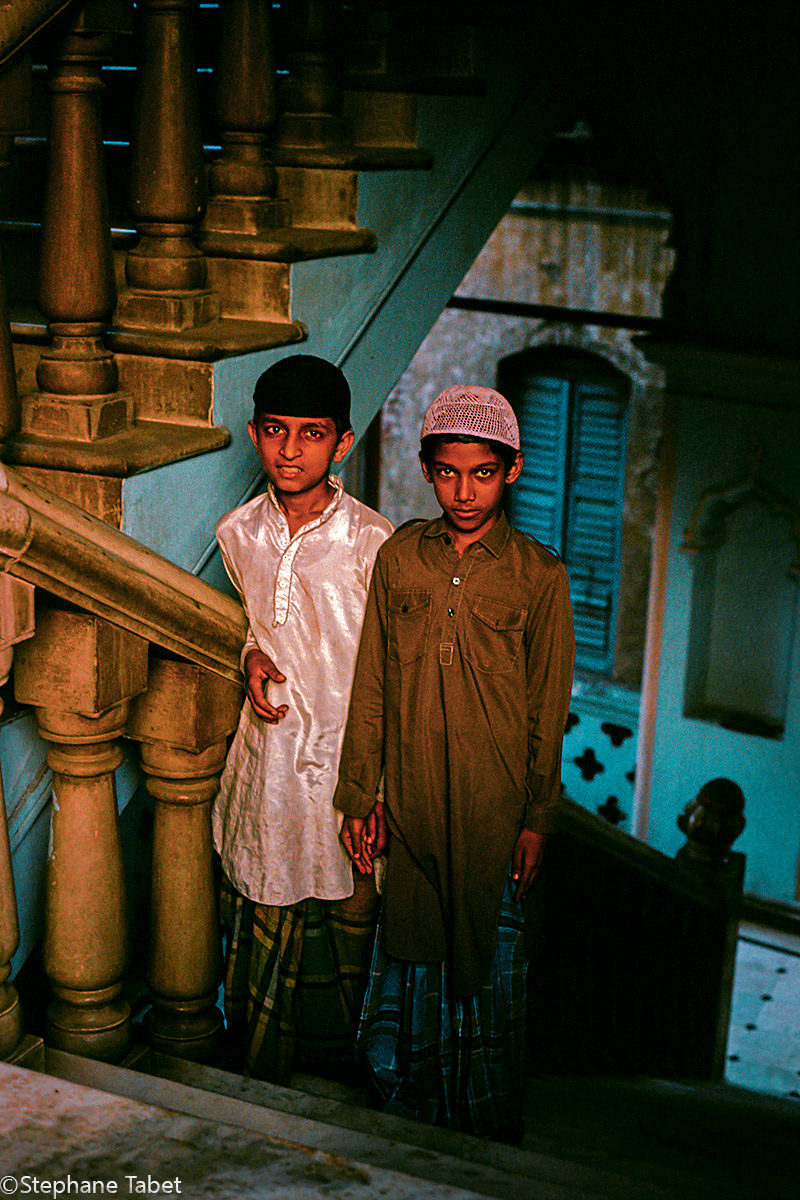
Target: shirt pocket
[[409, 621], [494, 635]]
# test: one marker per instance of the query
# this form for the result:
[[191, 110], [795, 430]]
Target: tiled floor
[[764, 1038]]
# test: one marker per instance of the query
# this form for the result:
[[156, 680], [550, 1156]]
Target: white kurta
[[274, 825]]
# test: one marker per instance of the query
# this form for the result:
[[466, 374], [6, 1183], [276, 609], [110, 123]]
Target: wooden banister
[[632, 952], [582, 827], [56, 546], [91, 683]]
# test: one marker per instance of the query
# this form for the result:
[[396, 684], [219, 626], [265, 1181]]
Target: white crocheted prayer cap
[[478, 412]]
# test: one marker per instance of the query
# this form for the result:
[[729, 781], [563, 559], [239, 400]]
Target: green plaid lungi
[[452, 1061], [295, 977]]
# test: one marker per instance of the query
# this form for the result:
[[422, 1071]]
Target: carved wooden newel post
[[182, 722], [712, 822], [80, 673]]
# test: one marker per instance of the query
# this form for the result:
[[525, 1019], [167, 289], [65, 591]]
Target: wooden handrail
[[58, 547], [581, 825]]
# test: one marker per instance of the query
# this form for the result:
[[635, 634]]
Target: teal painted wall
[[714, 444]]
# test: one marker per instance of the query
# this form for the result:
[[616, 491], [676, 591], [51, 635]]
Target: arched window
[[573, 409]]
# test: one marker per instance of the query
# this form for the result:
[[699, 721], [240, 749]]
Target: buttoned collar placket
[[458, 568], [283, 576]]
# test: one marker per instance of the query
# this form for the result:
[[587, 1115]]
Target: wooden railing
[[634, 952], [101, 665], [54, 545]]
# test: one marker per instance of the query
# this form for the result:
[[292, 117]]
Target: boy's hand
[[258, 670], [525, 860], [376, 832], [353, 839], [366, 838]]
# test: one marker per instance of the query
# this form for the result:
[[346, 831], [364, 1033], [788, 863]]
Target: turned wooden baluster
[[16, 624], [77, 376], [9, 400], [80, 673], [242, 181], [165, 270], [311, 127], [182, 722], [14, 105]]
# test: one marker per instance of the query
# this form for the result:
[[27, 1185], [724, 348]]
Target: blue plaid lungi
[[453, 1061]]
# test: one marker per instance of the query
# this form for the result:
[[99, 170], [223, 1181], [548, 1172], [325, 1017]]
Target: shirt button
[[456, 580], [451, 612]]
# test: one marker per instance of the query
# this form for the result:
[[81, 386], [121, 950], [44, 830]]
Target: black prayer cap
[[303, 385]]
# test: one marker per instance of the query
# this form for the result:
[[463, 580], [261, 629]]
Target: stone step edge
[[469, 1164]]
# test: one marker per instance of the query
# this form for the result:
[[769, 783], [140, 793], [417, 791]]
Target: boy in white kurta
[[301, 557]]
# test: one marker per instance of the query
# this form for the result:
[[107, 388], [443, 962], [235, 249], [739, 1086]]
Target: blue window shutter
[[537, 498], [594, 515], [573, 431]]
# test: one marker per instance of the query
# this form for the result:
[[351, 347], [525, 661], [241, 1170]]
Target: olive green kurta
[[461, 695]]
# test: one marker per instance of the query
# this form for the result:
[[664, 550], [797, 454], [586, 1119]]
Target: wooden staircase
[[138, 316], [631, 966], [342, 217]]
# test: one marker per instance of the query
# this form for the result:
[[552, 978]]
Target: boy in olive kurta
[[460, 698]]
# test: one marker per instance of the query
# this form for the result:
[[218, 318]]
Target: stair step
[[587, 1138], [725, 1140], [88, 1139], [629, 1138], [435, 1156]]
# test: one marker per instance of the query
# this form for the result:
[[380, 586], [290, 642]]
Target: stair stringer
[[78, 1134]]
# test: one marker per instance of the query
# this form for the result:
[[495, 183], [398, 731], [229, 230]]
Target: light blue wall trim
[[27, 780], [28, 865]]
